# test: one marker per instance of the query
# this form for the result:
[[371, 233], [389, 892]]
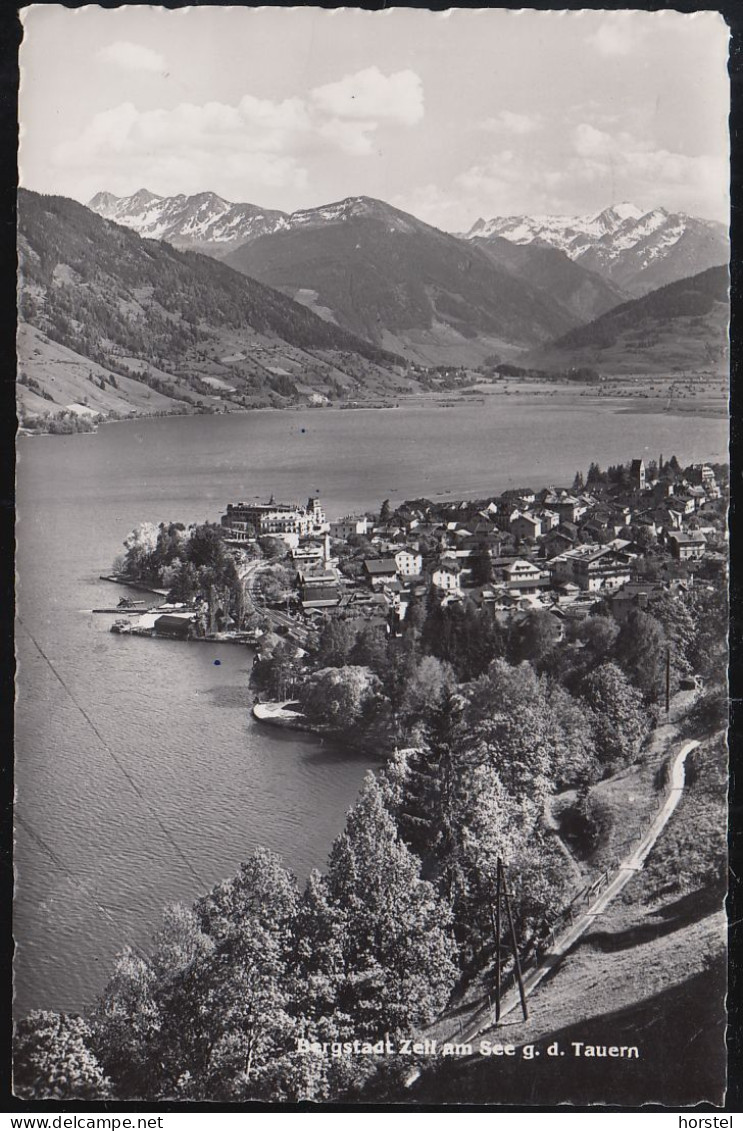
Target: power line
[[122, 769], [79, 884]]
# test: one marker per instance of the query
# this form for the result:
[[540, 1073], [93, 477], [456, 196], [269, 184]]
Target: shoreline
[[116, 579], [568, 393], [277, 713]]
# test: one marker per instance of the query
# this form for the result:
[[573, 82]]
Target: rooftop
[[380, 566]]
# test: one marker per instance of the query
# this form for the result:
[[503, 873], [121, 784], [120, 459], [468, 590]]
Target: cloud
[[132, 56], [591, 142], [351, 137], [506, 121], [372, 96], [632, 167], [178, 148], [441, 208], [263, 141], [617, 36], [505, 168], [589, 170]]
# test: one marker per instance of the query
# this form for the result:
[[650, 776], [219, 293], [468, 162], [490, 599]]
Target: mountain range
[[204, 222], [509, 284], [375, 270], [681, 327], [109, 321], [112, 321], [389, 277], [636, 250]]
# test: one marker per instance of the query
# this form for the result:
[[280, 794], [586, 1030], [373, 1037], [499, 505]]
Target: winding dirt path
[[624, 873]]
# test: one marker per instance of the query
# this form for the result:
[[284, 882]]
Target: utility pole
[[514, 944], [668, 682], [497, 941]]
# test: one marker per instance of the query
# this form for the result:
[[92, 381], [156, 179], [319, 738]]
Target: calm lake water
[[141, 777]]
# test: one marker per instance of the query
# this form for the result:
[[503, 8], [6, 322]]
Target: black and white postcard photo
[[372, 558]]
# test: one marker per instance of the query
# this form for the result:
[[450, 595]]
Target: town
[[608, 541], [539, 679]]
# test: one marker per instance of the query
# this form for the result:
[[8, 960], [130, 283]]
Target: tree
[[385, 513], [595, 476], [183, 581], [53, 1059], [467, 637], [620, 721], [337, 697], [230, 1014], [481, 566], [591, 645], [640, 651], [279, 670], [337, 639], [274, 584], [127, 1021], [509, 728], [420, 783], [572, 739], [318, 942], [432, 680], [497, 825], [397, 948], [674, 613], [140, 545], [273, 547], [533, 638], [370, 649], [709, 608], [206, 546], [643, 537]]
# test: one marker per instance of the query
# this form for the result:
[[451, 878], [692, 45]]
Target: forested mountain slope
[[681, 326], [182, 323], [389, 277]]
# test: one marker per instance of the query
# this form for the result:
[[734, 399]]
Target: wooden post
[[514, 944]]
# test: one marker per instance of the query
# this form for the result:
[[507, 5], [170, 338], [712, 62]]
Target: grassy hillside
[[389, 277], [675, 328], [649, 973], [185, 327]]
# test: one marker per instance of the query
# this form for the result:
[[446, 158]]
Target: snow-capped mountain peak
[[636, 248], [207, 222], [625, 210], [204, 221]]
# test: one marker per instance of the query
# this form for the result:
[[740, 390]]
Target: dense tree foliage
[[397, 949], [144, 298], [54, 1059], [194, 564], [620, 722]]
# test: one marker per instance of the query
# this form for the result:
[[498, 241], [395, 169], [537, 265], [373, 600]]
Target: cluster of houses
[[559, 549]]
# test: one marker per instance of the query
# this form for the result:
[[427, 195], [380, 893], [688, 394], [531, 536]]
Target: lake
[[141, 777]]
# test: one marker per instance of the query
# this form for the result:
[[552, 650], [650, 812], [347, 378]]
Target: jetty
[[117, 579], [125, 610]]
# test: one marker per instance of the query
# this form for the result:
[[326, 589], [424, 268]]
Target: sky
[[451, 116]]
